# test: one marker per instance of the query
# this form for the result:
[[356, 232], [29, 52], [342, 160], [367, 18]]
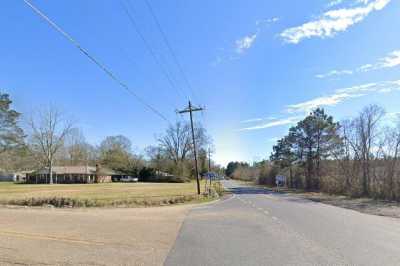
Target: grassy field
[[98, 195]]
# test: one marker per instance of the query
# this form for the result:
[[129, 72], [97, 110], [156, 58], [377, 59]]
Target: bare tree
[[390, 150], [176, 143], [77, 149], [49, 130], [155, 157], [367, 128]]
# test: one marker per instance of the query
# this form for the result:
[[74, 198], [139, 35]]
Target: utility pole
[[209, 164], [209, 159], [190, 109]]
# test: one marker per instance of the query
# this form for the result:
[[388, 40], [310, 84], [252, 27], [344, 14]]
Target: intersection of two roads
[[258, 227]]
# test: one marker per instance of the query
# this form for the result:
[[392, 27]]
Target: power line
[[151, 81], [94, 60], [164, 70], [164, 36]]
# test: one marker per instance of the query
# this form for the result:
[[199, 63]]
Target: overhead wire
[[167, 43], [94, 60], [151, 81], [164, 70]]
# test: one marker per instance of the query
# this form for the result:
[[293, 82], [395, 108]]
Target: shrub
[[151, 175]]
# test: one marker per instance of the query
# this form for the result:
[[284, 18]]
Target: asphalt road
[[257, 227]]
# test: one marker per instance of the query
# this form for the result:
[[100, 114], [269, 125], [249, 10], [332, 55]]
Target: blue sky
[[257, 66]]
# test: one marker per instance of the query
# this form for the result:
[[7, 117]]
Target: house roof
[[11, 173], [80, 170]]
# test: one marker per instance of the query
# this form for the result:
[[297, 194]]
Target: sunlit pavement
[[257, 227]]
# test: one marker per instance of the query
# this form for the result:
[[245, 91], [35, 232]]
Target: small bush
[[151, 175]]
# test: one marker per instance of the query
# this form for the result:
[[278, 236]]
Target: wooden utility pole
[[209, 159], [190, 109], [209, 165]]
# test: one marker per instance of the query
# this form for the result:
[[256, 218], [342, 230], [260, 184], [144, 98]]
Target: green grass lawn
[[98, 195]]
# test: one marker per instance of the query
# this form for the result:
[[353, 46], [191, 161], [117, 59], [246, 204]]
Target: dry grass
[[98, 195]]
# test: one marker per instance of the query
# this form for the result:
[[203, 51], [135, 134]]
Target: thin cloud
[[267, 21], [339, 2], [298, 110], [392, 118], [334, 73], [245, 43], [335, 3], [252, 120], [341, 95], [332, 22], [274, 123], [389, 61], [320, 101]]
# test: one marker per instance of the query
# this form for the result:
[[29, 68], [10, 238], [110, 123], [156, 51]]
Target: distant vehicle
[[128, 179]]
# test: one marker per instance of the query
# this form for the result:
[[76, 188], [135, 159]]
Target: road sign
[[280, 178], [280, 181]]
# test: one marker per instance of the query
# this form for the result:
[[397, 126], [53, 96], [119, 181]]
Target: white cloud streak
[[252, 120], [297, 111], [339, 2], [267, 21], [335, 3], [274, 123], [392, 118], [341, 95], [334, 73], [245, 43], [332, 22], [389, 61], [241, 45]]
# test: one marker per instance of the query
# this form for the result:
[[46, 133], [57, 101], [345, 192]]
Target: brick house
[[71, 175]]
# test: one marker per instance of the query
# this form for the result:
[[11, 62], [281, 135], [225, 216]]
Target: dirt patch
[[364, 205], [134, 236]]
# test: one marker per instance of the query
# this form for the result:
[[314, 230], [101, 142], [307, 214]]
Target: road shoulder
[[126, 236]]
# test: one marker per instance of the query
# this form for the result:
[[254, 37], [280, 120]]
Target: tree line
[[355, 157], [47, 137]]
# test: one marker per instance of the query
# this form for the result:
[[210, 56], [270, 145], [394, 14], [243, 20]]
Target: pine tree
[[11, 135]]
